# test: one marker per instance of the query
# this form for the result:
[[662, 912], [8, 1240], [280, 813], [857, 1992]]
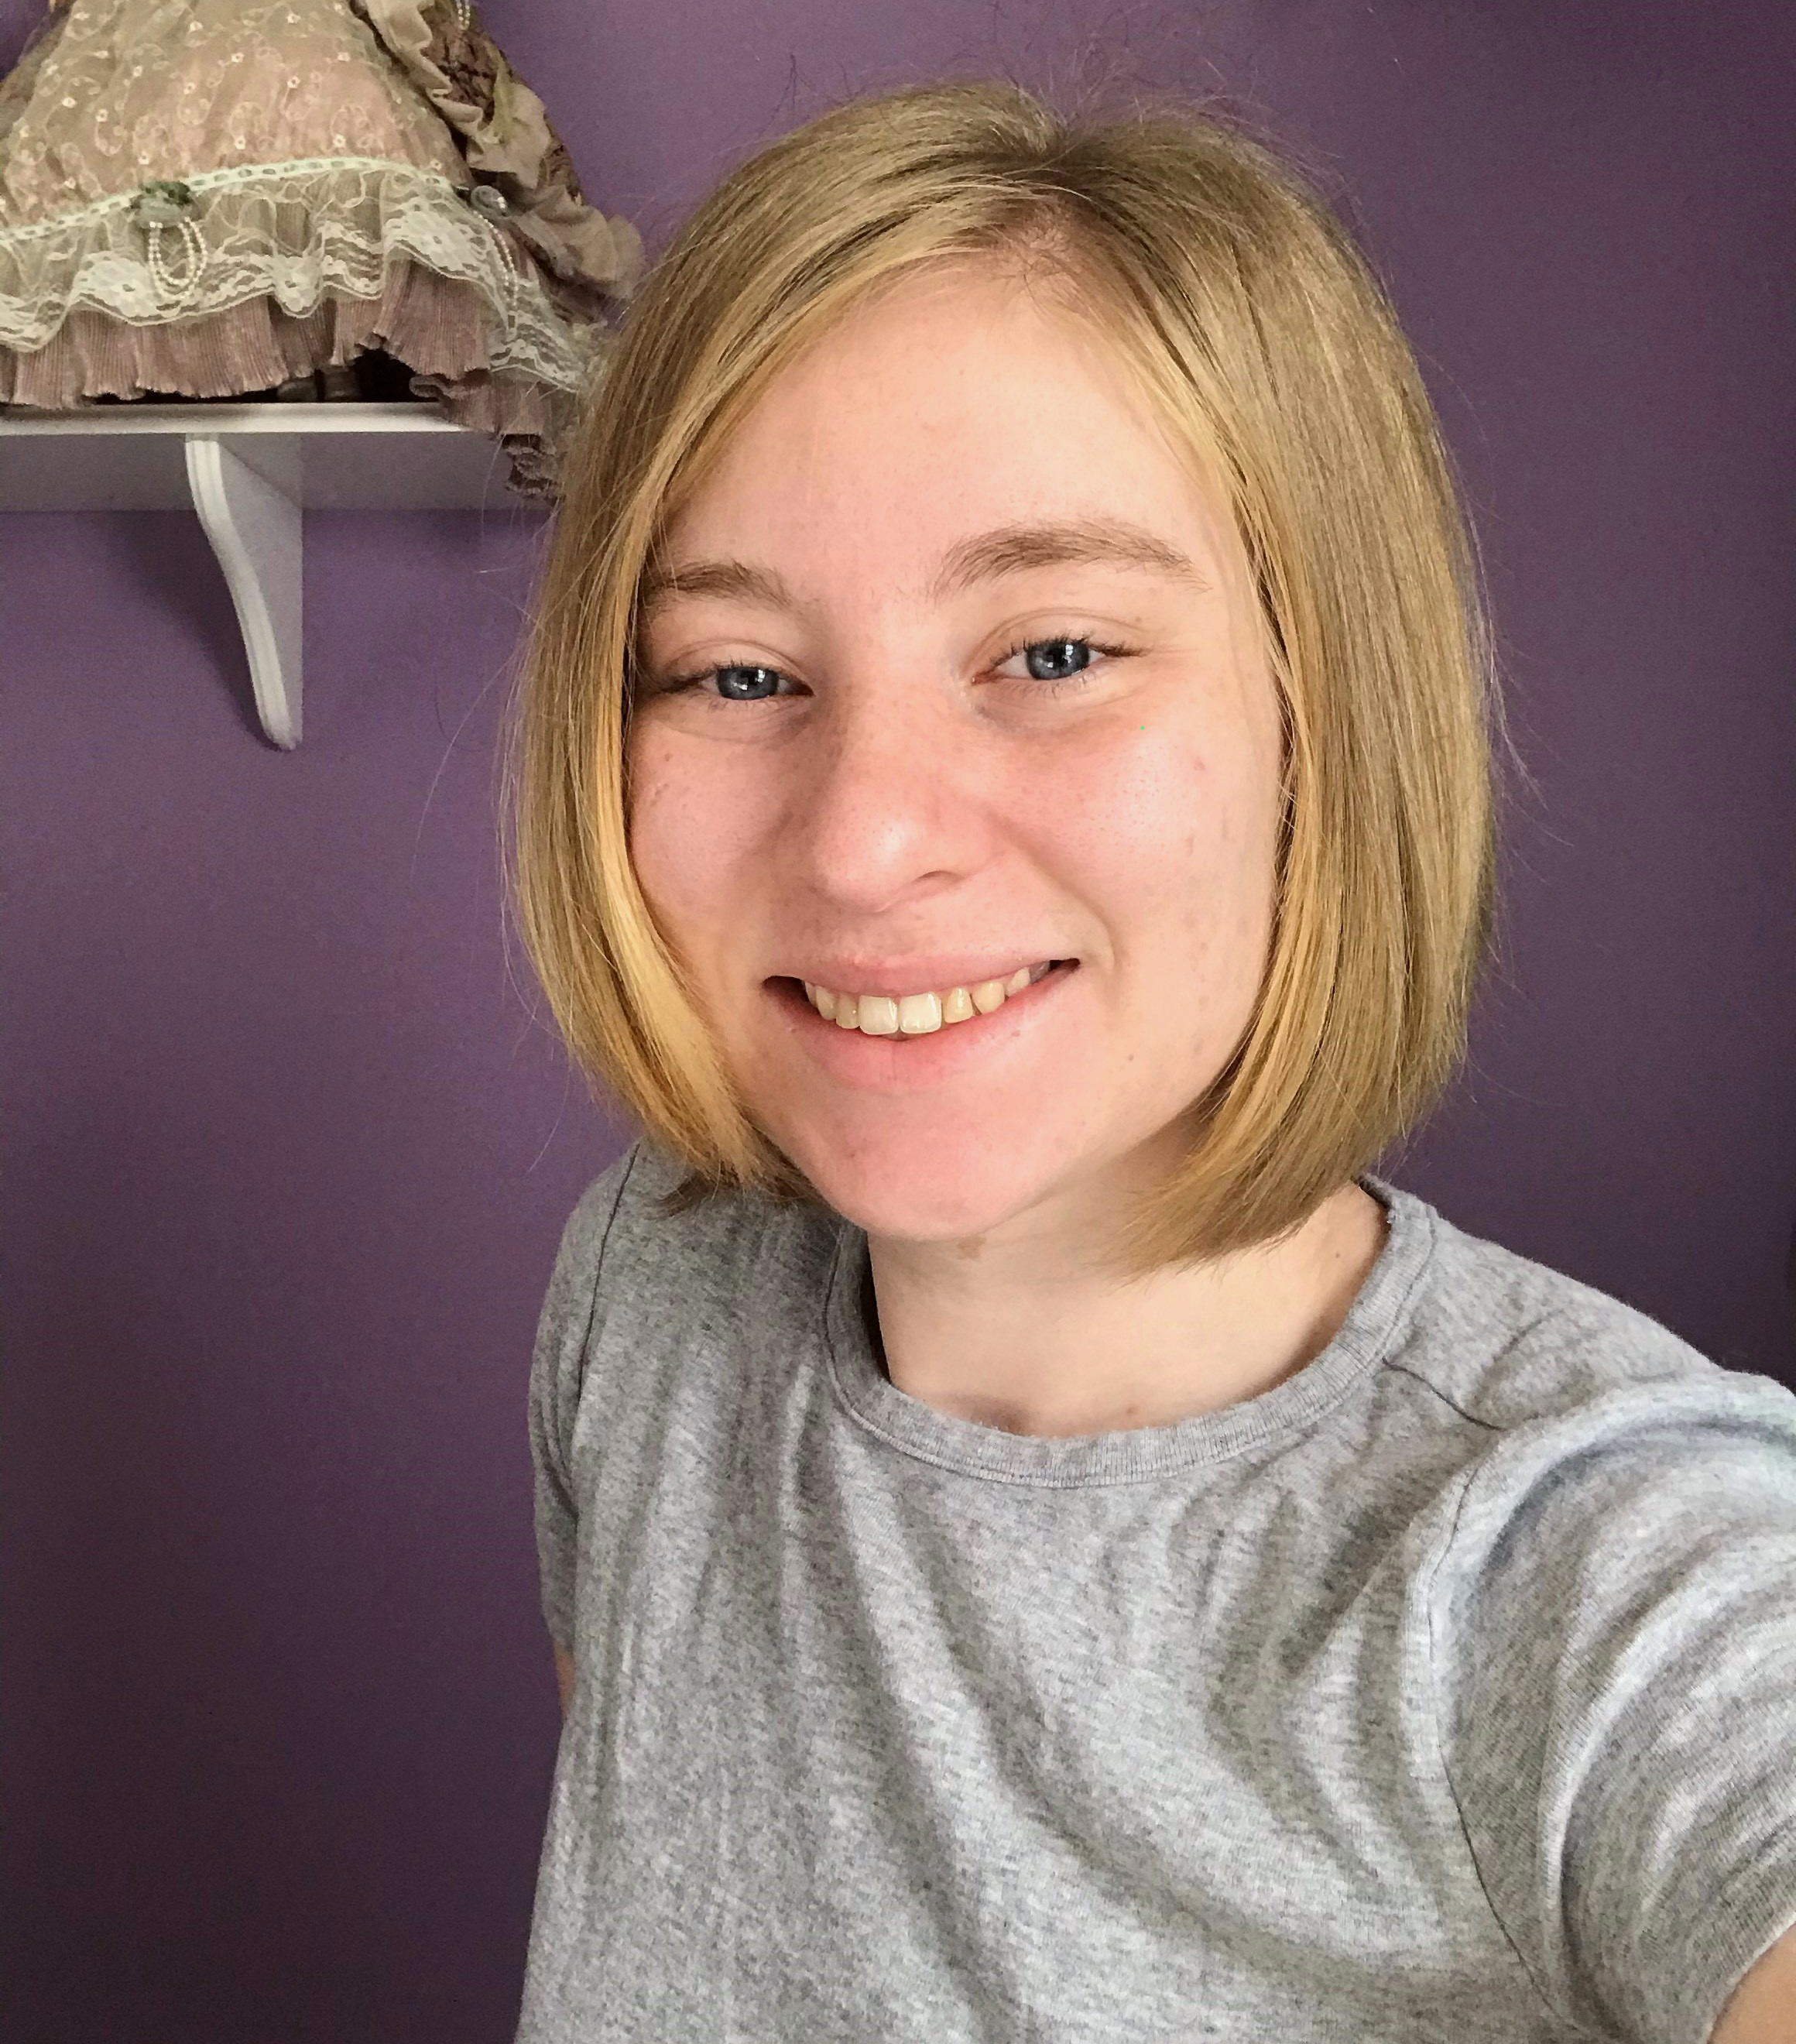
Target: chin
[[943, 1195]]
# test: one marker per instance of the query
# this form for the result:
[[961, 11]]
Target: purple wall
[[286, 1148]]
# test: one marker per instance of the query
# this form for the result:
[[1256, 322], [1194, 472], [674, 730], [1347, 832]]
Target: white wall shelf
[[251, 472]]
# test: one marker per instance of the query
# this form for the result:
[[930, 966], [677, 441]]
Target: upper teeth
[[916, 1014]]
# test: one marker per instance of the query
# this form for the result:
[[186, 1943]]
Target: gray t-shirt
[[1444, 1693]]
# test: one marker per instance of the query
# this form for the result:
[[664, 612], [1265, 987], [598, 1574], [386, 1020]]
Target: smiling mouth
[[923, 1014]]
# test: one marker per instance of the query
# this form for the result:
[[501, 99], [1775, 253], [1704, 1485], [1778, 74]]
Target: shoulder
[[1573, 1409], [1512, 1342], [584, 1234], [1606, 1587], [624, 1247], [1595, 1455]]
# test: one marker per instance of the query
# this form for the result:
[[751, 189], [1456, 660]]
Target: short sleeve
[[1615, 1650], [557, 1374]]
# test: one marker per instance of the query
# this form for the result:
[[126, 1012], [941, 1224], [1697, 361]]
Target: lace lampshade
[[205, 199]]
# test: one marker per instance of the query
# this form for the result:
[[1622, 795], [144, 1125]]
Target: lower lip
[[908, 1064]]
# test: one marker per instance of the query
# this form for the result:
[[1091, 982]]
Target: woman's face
[[969, 677]]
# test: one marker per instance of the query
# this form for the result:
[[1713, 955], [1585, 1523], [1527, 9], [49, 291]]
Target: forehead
[[949, 402]]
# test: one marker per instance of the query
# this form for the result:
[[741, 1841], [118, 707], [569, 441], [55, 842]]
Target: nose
[[885, 797]]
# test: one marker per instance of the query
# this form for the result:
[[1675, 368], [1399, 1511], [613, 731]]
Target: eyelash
[[679, 684]]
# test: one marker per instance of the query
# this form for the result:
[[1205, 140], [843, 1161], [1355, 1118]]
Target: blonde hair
[[1267, 344]]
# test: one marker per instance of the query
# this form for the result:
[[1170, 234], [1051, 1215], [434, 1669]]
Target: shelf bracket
[[256, 530]]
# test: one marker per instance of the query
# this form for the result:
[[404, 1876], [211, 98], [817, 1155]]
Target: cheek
[[1173, 828], [673, 854]]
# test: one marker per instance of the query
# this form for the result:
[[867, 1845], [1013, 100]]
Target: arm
[[1614, 1652], [1762, 2010], [571, 1311]]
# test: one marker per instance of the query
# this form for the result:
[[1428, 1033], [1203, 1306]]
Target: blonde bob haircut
[[1262, 337]]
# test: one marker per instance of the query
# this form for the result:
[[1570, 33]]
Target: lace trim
[[239, 174], [298, 232]]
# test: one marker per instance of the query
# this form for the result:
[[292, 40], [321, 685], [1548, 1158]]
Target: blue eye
[[739, 684], [737, 681], [1061, 658]]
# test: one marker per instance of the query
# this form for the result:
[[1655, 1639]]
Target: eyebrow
[[984, 557]]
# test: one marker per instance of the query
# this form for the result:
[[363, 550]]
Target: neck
[[1014, 1336]]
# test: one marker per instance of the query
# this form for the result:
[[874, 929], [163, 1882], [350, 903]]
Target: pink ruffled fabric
[[111, 94]]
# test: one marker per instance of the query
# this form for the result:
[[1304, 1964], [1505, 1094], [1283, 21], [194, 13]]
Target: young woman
[[1040, 1541]]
